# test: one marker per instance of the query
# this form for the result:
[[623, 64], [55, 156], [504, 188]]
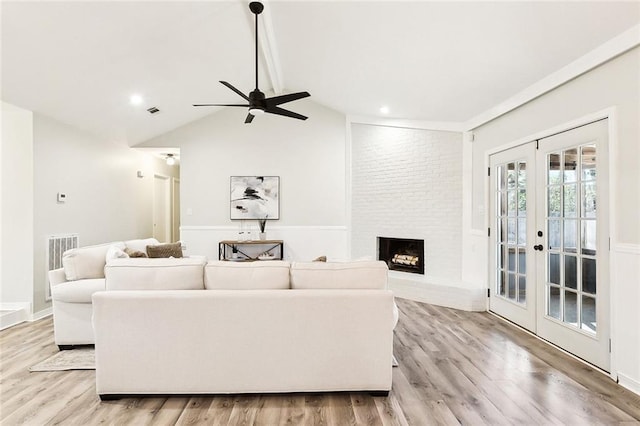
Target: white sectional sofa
[[257, 327], [81, 276]]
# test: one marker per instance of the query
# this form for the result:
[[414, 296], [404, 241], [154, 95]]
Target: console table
[[251, 250]]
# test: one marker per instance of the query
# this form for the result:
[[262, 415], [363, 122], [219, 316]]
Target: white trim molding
[[629, 383], [235, 228], [16, 313], [301, 242], [41, 314], [605, 52], [446, 126], [627, 248], [13, 314], [625, 274]]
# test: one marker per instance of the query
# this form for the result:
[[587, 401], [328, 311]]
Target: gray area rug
[[73, 359]]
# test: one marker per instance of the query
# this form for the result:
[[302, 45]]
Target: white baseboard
[[15, 313], [41, 314], [15, 306], [629, 383], [448, 296]]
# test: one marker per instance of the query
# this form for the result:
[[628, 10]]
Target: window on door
[[511, 224], [571, 230]]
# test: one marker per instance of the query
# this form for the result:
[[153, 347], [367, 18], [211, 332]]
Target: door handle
[[538, 247]]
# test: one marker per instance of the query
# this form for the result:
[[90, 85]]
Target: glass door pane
[[571, 240], [511, 211]]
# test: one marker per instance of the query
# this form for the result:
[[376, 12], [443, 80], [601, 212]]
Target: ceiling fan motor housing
[[257, 100], [256, 7]]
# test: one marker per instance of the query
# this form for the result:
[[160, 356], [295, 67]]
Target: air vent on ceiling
[[153, 110]]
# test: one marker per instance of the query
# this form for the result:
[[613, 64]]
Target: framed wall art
[[255, 197]]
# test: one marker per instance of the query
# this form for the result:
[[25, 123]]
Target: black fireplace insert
[[402, 254]]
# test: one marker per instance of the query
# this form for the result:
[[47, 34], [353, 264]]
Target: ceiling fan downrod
[[256, 8]]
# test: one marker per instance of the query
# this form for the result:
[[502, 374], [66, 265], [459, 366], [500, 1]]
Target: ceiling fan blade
[[285, 112], [235, 90], [277, 100], [249, 118], [231, 105]]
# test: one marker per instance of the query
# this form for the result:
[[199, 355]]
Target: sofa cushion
[[140, 245], [86, 262], [79, 291], [336, 275], [155, 274], [265, 275], [165, 250], [115, 252]]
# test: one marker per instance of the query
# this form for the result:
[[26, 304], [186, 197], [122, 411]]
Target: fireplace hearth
[[402, 254]]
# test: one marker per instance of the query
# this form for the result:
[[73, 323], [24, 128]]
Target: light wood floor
[[456, 367]]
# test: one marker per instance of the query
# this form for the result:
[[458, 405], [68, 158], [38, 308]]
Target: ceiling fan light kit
[[258, 104]]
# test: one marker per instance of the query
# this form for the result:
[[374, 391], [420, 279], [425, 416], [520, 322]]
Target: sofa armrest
[[57, 276]]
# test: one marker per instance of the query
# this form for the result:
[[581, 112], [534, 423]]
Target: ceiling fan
[[258, 103]]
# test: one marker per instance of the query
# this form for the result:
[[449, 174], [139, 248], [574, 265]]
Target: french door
[[549, 242], [512, 233]]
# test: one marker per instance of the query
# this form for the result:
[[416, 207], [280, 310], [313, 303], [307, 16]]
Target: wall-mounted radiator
[[56, 245]]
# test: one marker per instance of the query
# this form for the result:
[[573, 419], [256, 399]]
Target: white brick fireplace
[[407, 183]]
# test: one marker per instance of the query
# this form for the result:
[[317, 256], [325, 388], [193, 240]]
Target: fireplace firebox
[[402, 254]]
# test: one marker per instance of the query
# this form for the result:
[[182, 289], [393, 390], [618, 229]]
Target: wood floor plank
[[414, 409], [455, 367], [245, 410], [47, 407], [270, 411], [219, 410], [364, 410], [292, 409], [196, 411], [315, 412]]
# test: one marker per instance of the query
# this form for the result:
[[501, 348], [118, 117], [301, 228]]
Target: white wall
[[309, 157], [16, 207], [613, 84], [106, 201]]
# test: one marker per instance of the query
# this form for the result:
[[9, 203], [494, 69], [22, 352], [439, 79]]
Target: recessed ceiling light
[[135, 99], [384, 110]]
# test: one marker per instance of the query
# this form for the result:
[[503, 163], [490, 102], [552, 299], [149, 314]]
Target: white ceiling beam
[[268, 47]]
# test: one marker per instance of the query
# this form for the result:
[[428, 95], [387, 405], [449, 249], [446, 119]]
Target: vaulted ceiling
[[80, 61]]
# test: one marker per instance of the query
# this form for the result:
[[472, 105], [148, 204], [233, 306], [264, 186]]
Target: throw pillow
[[165, 250], [135, 253], [320, 259], [115, 252]]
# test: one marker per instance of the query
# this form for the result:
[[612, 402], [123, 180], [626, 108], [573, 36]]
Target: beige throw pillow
[[165, 250], [135, 253]]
